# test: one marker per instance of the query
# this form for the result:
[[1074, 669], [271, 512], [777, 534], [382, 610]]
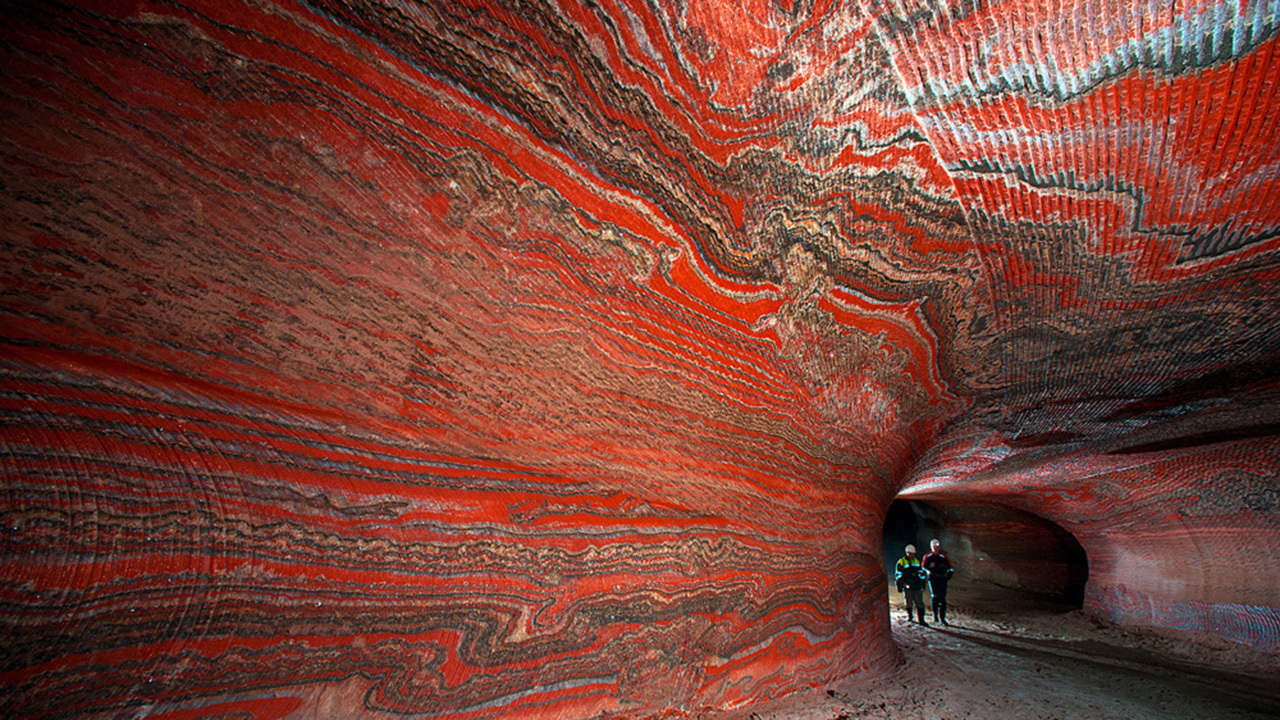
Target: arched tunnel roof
[[459, 358]]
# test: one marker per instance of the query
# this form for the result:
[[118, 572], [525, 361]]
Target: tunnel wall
[[337, 386], [1116, 164], [1201, 560], [464, 358], [1178, 532]]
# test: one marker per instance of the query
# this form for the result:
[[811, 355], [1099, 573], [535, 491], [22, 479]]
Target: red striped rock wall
[[482, 368], [486, 360], [1117, 165], [1179, 532]]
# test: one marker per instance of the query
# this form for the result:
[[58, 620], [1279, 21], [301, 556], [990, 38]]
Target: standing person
[[910, 579], [939, 570]]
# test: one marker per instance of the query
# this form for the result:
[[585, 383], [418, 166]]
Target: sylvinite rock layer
[[483, 359]]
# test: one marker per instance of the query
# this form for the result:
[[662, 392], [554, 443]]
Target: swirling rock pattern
[[489, 359]]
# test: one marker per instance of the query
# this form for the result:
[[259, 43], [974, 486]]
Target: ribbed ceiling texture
[[560, 358]]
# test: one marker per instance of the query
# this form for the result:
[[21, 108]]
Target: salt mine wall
[[1177, 535], [501, 359], [335, 387]]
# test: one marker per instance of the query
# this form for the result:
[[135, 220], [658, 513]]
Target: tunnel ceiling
[[1061, 220], [456, 357]]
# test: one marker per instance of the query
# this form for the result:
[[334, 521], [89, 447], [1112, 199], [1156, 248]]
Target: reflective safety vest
[[908, 574]]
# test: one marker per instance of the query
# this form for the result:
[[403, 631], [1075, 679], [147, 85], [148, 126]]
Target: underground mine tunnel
[[1004, 556], [546, 358]]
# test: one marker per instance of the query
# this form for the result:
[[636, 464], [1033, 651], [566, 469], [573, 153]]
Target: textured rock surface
[[480, 359]]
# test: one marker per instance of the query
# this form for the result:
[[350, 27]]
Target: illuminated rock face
[[474, 360]]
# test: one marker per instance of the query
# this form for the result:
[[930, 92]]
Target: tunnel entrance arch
[[1004, 556]]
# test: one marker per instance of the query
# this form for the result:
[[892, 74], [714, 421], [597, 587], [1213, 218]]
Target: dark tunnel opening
[[1003, 556]]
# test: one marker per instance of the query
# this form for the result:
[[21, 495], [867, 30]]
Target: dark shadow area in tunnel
[[901, 528], [1002, 555]]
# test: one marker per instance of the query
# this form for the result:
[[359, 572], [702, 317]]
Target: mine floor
[[1035, 663]]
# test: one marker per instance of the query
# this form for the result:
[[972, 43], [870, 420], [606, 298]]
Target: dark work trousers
[[938, 592]]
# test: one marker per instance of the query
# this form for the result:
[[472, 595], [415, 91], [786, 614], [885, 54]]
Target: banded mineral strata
[[501, 358]]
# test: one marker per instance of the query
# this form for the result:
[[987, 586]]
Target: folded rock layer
[[496, 359]]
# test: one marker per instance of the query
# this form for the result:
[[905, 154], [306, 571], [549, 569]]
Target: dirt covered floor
[[1046, 662]]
